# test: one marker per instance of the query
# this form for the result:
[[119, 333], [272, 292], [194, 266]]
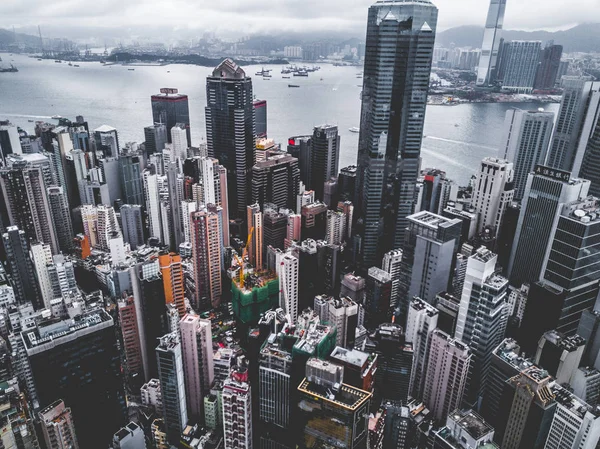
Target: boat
[[75, 65], [263, 72], [266, 79], [39, 59], [286, 77], [10, 69], [293, 85], [354, 129], [301, 73], [56, 117], [456, 125], [321, 79], [131, 70], [58, 61], [30, 121], [70, 64]]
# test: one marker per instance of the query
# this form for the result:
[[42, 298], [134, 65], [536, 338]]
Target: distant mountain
[[8, 38], [584, 38]]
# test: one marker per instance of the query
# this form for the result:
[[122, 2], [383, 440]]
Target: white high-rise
[[336, 227], [237, 411], [41, 254], [107, 225], [152, 189], [491, 43], [392, 264], [187, 207], [179, 140], [89, 217], [493, 192], [288, 268]]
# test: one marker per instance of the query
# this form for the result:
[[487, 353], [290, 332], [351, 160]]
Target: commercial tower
[[206, 256], [548, 68], [520, 65], [486, 75], [230, 135], [525, 143], [325, 158], [399, 51], [21, 268], [170, 108], [588, 151]]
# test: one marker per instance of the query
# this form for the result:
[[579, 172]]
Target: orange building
[[173, 280]]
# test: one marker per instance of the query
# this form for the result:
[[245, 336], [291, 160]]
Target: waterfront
[[457, 137]]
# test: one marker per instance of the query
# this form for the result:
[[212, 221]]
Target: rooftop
[[350, 356], [431, 220], [419, 305], [348, 397], [105, 129], [569, 344], [571, 402], [508, 351], [472, 423]]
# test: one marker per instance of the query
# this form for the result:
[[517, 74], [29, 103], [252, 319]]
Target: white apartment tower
[[288, 268]]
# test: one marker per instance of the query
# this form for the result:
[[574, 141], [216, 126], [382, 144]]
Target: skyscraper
[[206, 256], [446, 376], [107, 141], [260, 117], [482, 316], [130, 334], [397, 66], [21, 268], [255, 247], [230, 131], [132, 223], [493, 192], [287, 267], [173, 281], [130, 170], [300, 147], [546, 192], [170, 108], [172, 386], [58, 427], [61, 218], [527, 136], [486, 75], [325, 158], [237, 410], [520, 60], [587, 160], [196, 347], [378, 298], [276, 180], [548, 68], [579, 104], [155, 138]]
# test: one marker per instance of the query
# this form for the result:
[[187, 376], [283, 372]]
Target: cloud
[[244, 17]]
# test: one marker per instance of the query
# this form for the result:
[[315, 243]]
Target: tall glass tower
[[491, 43], [400, 38]]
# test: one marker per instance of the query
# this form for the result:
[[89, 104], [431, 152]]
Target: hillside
[[584, 38]]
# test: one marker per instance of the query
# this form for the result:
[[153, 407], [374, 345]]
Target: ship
[[293, 85], [264, 73], [301, 73], [354, 129], [12, 68], [286, 77]]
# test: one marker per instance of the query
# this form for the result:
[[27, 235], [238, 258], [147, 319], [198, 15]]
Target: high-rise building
[[9, 139], [421, 322], [214, 183], [482, 317], [587, 161], [61, 218], [447, 374], [129, 437], [427, 258], [106, 225], [488, 62], [390, 141], [206, 256], [196, 347], [260, 117], [274, 227], [274, 386], [493, 192], [294, 227], [156, 137], [78, 360], [341, 313], [546, 192], [569, 141], [527, 136], [41, 256], [335, 232], [256, 246], [276, 180], [58, 427], [435, 191], [392, 264], [287, 267], [548, 68], [170, 108], [560, 355], [107, 142], [179, 141], [131, 341], [237, 410], [300, 147], [230, 130], [325, 158], [172, 386], [378, 298], [21, 268], [586, 384], [563, 293], [520, 60], [130, 170], [132, 224], [464, 429], [332, 412], [173, 277]]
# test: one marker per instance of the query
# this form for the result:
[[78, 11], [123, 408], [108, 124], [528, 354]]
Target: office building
[[300, 147], [132, 224], [130, 170], [546, 192], [353, 287], [431, 242], [169, 107], [206, 257], [586, 384], [230, 131], [548, 69], [435, 191], [421, 322], [106, 225], [9, 139], [493, 192], [107, 142], [155, 136], [21, 268], [237, 410], [58, 427], [445, 379], [325, 158], [172, 387], [492, 38], [482, 317], [569, 140], [255, 228], [587, 160], [274, 385], [129, 437], [260, 117], [525, 143], [214, 183], [560, 355], [335, 232], [589, 324], [520, 60], [395, 362], [173, 277], [526, 409], [390, 143], [465, 429], [78, 360], [287, 268], [341, 313], [332, 412], [378, 297], [197, 351], [359, 367], [276, 180], [131, 341], [61, 218]]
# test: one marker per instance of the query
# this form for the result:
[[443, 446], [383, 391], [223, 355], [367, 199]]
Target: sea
[[456, 137]]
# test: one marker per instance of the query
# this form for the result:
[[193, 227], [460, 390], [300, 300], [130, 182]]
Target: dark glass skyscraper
[[400, 38], [170, 107], [230, 135], [490, 47]]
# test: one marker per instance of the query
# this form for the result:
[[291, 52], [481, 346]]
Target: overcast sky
[[239, 17]]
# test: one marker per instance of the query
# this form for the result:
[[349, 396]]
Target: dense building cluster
[[241, 294]]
